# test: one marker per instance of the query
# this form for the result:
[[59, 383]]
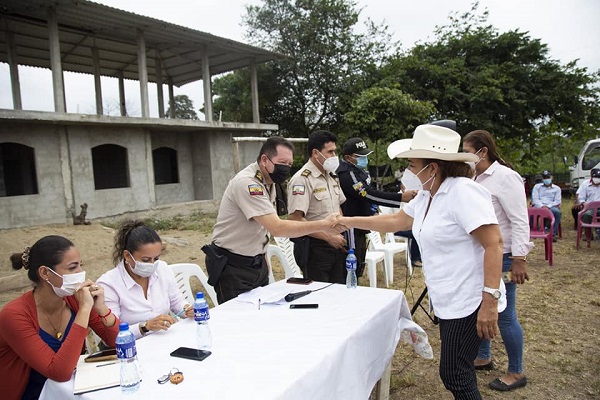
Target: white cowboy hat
[[430, 141]]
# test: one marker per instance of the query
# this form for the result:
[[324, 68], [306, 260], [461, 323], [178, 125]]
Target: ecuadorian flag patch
[[255, 190], [297, 189]]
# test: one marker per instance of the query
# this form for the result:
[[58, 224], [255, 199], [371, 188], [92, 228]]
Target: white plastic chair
[[389, 249], [183, 272], [284, 250], [391, 238], [372, 258]]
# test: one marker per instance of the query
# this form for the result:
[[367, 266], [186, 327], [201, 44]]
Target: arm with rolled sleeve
[[557, 200]]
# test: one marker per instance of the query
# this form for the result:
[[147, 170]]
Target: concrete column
[[13, 65], [150, 171], [122, 104], [254, 92], [65, 168], [159, 86], [171, 100], [143, 74], [208, 109], [55, 62], [97, 82]]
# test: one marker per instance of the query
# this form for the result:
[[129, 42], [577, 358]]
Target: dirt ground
[[559, 309]]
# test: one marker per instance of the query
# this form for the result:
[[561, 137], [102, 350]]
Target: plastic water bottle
[[201, 316], [127, 355], [351, 280]]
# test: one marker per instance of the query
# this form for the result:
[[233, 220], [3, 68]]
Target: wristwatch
[[496, 294], [143, 328]]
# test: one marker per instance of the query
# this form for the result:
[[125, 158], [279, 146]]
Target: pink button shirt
[[510, 206], [126, 298]]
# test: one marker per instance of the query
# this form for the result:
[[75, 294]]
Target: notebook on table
[[96, 375]]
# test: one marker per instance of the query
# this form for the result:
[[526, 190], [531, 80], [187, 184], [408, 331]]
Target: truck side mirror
[[575, 160]]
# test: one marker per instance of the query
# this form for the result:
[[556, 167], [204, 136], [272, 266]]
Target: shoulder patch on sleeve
[[306, 172], [255, 190], [360, 188], [298, 190]]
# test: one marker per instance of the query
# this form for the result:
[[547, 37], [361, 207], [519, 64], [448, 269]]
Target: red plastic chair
[[537, 216], [594, 206]]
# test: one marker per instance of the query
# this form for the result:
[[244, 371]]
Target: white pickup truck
[[588, 158]]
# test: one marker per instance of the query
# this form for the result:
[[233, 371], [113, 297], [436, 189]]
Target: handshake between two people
[[335, 224]]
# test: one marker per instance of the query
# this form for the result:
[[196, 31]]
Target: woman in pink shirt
[[510, 206], [141, 290]]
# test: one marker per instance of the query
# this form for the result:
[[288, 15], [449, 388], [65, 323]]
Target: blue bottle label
[[351, 264], [201, 314], [126, 350]]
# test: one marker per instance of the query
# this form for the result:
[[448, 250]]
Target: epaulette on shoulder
[[306, 173]]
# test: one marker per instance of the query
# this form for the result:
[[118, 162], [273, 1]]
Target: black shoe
[[486, 367], [554, 239], [497, 384]]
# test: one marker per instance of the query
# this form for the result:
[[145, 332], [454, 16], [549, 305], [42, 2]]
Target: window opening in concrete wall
[[17, 170], [166, 168], [110, 164]]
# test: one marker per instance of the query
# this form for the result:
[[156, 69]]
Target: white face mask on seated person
[[70, 283], [144, 269]]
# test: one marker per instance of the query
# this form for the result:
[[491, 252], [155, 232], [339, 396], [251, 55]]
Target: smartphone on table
[[300, 281], [191, 354]]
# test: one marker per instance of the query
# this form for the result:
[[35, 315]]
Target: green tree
[[386, 114], [322, 58], [184, 108], [505, 83]]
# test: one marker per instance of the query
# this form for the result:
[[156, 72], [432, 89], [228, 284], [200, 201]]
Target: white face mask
[[70, 283], [473, 164], [144, 269], [596, 181], [424, 183], [411, 181], [330, 164]]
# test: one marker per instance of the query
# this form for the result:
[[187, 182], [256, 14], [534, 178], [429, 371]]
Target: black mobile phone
[[192, 354], [103, 355], [304, 306], [300, 281]]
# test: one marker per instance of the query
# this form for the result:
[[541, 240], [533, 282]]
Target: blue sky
[[570, 28]]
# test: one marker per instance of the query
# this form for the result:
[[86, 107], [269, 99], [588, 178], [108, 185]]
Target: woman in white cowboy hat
[[453, 221]]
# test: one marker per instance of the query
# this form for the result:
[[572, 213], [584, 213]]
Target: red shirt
[[22, 348]]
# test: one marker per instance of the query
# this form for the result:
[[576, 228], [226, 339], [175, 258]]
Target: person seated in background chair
[[43, 331], [141, 289], [588, 191], [548, 195]]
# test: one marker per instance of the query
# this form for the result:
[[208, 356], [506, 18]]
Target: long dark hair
[[479, 139], [131, 236], [48, 251], [451, 169]]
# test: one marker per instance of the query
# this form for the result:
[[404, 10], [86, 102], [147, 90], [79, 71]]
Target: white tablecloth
[[338, 351]]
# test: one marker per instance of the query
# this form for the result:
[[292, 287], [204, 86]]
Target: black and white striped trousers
[[460, 344]]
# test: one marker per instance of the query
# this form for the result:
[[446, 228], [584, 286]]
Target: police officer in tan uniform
[[314, 193], [236, 258]]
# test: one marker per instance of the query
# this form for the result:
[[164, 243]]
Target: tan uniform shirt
[[315, 194], [247, 196]]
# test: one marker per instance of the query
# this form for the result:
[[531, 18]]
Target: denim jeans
[[510, 328], [557, 217]]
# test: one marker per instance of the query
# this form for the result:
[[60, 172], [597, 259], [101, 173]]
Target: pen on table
[[103, 365], [259, 304]]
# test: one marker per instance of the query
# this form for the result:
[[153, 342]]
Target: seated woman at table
[[42, 332], [141, 290]]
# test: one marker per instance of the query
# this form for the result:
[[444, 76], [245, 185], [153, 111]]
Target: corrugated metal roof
[[84, 25]]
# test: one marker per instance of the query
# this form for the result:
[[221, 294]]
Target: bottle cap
[[200, 295], [123, 326], [351, 251]]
